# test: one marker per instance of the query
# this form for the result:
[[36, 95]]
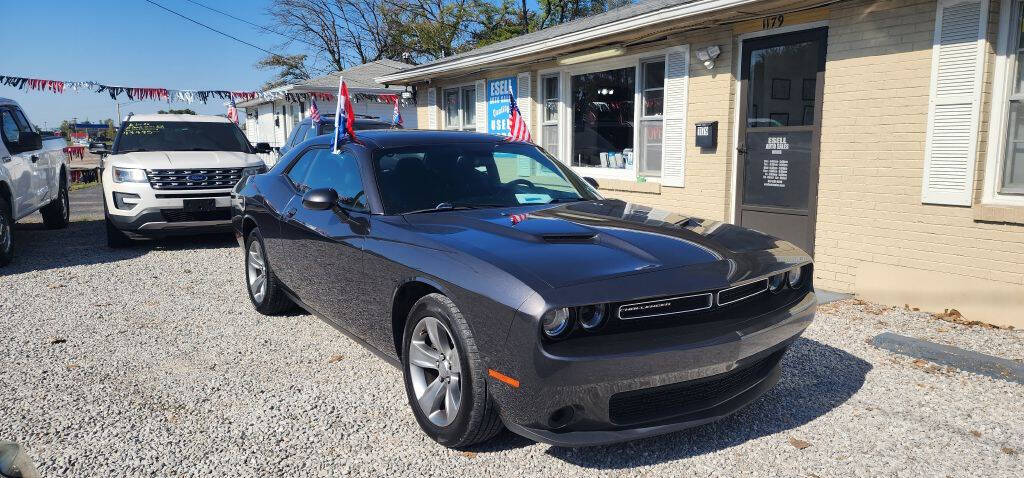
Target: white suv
[[173, 174]]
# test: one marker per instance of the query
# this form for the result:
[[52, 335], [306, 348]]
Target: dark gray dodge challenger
[[511, 293]]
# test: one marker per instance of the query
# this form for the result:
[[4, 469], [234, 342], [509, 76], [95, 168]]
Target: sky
[[128, 43]]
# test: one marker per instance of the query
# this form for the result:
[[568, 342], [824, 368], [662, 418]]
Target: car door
[[43, 163], [328, 245], [284, 202], [19, 165]]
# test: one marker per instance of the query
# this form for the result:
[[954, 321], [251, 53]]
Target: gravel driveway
[[150, 362]]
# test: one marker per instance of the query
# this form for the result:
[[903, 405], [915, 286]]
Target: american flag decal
[[518, 131], [517, 218]]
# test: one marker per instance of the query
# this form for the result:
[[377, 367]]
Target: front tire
[[265, 290], [445, 378], [6, 233], [116, 239], [57, 214]]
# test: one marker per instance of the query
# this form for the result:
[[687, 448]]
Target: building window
[[460, 108], [469, 108], [549, 125], [1011, 181], [653, 97], [602, 118]]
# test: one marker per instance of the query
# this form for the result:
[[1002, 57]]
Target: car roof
[[185, 118], [397, 138]]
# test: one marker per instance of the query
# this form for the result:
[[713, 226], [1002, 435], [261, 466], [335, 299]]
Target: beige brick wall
[[874, 236]]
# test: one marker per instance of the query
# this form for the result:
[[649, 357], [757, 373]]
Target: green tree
[[291, 69]]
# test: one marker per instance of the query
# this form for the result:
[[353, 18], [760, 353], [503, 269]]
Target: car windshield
[[473, 175], [181, 136]]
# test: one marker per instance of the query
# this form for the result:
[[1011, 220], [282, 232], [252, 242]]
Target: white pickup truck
[[173, 174], [33, 176]]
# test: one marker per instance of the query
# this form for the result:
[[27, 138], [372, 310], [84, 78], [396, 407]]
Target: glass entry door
[[781, 81]]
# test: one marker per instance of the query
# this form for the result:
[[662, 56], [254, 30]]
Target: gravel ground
[[150, 362]]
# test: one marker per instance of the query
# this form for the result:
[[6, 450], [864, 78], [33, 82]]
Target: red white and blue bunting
[[176, 96]]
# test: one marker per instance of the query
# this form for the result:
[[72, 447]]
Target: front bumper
[[677, 381], [160, 221], [161, 213]]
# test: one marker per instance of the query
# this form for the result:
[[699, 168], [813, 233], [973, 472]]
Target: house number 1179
[[774, 21]]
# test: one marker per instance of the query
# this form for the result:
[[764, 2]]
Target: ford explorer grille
[[179, 179]]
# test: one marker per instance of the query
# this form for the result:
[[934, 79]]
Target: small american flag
[[233, 111], [396, 117], [314, 112], [518, 131]]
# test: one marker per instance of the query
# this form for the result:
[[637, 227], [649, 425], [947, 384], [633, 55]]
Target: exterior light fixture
[[708, 55], [591, 55]]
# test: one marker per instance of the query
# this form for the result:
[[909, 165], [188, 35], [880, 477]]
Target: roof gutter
[[668, 14]]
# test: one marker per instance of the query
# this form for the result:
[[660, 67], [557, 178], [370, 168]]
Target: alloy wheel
[[435, 370], [257, 268]]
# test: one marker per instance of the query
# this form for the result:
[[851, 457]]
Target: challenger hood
[[580, 242], [184, 159]]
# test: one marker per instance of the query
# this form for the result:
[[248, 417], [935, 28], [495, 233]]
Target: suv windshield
[[180, 136], [475, 175]]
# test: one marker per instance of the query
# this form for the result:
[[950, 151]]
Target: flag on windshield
[[344, 110], [396, 117], [518, 131], [233, 111], [314, 111]]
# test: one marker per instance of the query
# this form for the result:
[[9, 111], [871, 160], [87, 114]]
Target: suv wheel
[[445, 378], [57, 214], [116, 238], [6, 232], [265, 290]]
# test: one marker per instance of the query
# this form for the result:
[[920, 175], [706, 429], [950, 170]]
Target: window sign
[[498, 92], [778, 169]]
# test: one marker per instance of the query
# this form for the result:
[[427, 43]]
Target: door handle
[[34, 157], [290, 213]]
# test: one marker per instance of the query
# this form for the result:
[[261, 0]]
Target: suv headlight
[[129, 175], [253, 170]]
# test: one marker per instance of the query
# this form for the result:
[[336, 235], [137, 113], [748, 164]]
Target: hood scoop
[[578, 238]]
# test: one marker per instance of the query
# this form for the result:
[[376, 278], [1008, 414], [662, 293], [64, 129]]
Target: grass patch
[[77, 186]]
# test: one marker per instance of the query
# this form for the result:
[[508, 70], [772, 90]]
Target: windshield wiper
[[447, 206]]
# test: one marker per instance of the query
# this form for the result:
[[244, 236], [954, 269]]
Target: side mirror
[[320, 199], [263, 148], [592, 182], [29, 141]]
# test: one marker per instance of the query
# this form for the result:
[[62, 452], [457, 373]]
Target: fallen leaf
[[799, 444], [976, 433], [1009, 451], [335, 358], [469, 454], [57, 340]]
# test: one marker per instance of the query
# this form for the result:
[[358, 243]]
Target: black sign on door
[[781, 89]]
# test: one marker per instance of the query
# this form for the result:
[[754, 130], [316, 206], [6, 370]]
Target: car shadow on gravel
[[84, 242], [816, 378]]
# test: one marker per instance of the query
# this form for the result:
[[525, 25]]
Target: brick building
[[880, 135]]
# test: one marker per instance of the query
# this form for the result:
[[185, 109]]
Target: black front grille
[[182, 179], [178, 215], [740, 292], [667, 401]]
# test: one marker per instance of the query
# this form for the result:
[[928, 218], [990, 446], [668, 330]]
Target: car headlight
[[556, 322], [795, 277], [129, 175], [776, 282], [253, 170], [591, 316]]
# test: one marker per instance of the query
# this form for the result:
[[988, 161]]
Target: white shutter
[[951, 147], [673, 155], [432, 108], [524, 100], [481, 106]]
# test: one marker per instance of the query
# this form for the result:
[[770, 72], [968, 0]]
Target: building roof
[[186, 118], [359, 76], [626, 18]]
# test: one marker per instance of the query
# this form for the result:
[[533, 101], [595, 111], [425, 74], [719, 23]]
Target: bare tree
[[345, 32]]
